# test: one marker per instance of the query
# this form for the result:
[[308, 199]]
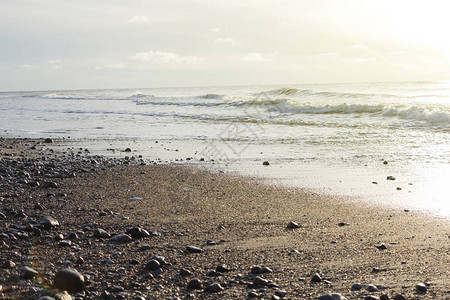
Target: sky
[[80, 44]]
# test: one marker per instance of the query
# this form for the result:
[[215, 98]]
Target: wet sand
[[237, 221]]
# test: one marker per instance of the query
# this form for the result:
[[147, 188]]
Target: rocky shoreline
[[102, 228]]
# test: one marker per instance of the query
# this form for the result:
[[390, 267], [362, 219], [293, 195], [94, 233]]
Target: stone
[[127, 150], [48, 222], [256, 270], [371, 288], [48, 141], [281, 293], [194, 249], [384, 297], [28, 273], [214, 288], [194, 283], [161, 259], [101, 234], [137, 232], [185, 272], [222, 268], [46, 298], [292, 225], [381, 246], [153, 265], [399, 297], [65, 243], [316, 278], [9, 264], [357, 286], [421, 287], [390, 178], [49, 184], [332, 297], [69, 280], [266, 163], [258, 281], [122, 238], [371, 297]]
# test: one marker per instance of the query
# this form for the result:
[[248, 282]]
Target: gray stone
[[258, 281], [101, 234], [381, 246], [153, 265], [332, 297], [356, 286], [292, 225], [28, 273], [194, 249], [316, 278], [371, 288], [121, 238], [399, 297], [69, 280], [48, 222], [194, 284], [214, 288], [137, 232], [421, 287]]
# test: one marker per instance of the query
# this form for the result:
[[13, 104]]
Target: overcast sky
[[77, 44]]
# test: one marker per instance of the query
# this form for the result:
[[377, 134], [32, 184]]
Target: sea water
[[335, 138]]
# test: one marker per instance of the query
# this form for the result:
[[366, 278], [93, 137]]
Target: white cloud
[[55, 61], [397, 53], [227, 40], [166, 58], [359, 60], [111, 66], [28, 66], [330, 54], [255, 57], [215, 29], [138, 19]]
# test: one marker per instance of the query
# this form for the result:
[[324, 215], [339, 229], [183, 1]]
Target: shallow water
[[331, 138]]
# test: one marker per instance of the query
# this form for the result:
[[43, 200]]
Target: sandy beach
[[183, 223]]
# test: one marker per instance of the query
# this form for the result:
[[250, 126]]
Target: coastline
[[243, 218]]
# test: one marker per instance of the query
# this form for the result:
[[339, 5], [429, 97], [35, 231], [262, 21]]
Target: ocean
[[342, 139]]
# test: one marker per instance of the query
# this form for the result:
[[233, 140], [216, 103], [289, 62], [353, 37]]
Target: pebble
[[69, 280], [138, 232], [292, 225], [371, 297], [121, 238], [371, 288], [153, 265], [390, 178], [381, 246], [185, 272], [28, 273], [316, 278], [399, 297], [214, 288], [101, 234], [48, 222], [357, 286], [194, 284], [421, 287], [332, 297], [65, 243], [258, 281], [222, 269], [9, 264], [194, 249], [265, 163]]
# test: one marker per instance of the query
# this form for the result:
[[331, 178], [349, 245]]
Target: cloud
[[138, 19], [227, 40], [397, 53], [111, 66], [166, 58], [55, 61], [330, 54], [215, 29], [28, 66], [359, 60], [255, 57]]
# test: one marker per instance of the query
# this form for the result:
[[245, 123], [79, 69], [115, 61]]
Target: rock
[[356, 286], [137, 232], [214, 288], [222, 268], [341, 224], [65, 243], [256, 270], [399, 297], [421, 287], [28, 273], [127, 150], [185, 272], [194, 249], [292, 225], [161, 259], [46, 298], [121, 238], [371, 288], [135, 198], [332, 297], [381, 246], [258, 281], [384, 297], [101, 234], [69, 280], [153, 265], [275, 297], [48, 141], [266, 163], [316, 278], [371, 297], [9, 264], [49, 184], [390, 178], [194, 284], [48, 222], [281, 293]]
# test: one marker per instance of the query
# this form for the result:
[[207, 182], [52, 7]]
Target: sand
[[239, 222]]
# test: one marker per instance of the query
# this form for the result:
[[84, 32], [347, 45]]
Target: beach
[[184, 223]]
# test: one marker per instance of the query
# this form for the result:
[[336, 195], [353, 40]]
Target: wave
[[286, 91]]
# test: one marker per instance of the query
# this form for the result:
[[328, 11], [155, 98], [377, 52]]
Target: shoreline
[[236, 221]]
